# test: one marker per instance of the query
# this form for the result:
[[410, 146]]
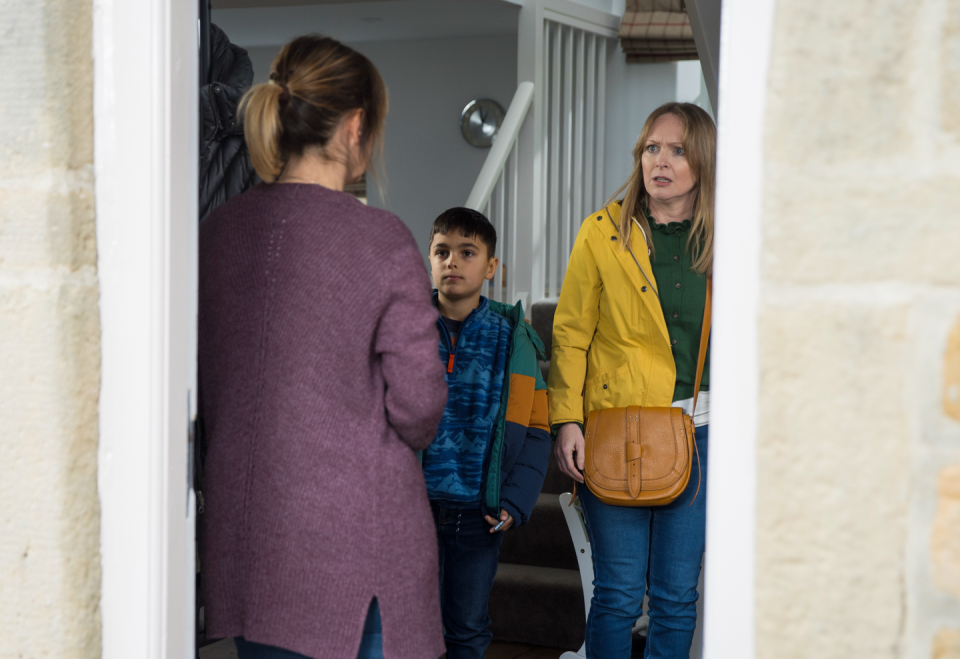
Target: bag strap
[[701, 360], [704, 342]]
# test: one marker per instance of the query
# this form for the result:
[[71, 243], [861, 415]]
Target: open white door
[[145, 113]]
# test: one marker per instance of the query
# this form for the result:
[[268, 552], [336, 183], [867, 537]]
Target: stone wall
[[49, 334], [858, 538]]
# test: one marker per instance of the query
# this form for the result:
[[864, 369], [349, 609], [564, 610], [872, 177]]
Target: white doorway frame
[[729, 623], [145, 113], [145, 142]]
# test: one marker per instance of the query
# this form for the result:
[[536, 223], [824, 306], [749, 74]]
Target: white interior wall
[[633, 92], [429, 167], [262, 57]]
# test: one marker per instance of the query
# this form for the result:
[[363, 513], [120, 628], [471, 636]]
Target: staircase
[[537, 597], [543, 174]]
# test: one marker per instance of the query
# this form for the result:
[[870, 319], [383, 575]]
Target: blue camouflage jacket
[[493, 444]]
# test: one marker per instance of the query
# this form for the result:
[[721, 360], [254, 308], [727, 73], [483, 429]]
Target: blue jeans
[[468, 564], [371, 645], [658, 550]]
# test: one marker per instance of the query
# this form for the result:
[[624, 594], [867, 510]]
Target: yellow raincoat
[[611, 347]]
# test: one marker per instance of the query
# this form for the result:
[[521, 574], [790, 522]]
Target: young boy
[[486, 466]]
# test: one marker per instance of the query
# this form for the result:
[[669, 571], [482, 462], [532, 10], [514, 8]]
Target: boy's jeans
[[468, 563], [658, 550]]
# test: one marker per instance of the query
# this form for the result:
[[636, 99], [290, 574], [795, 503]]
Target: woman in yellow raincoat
[[627, 332]]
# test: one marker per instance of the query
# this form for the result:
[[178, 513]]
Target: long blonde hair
[[314, 83], [700, 146]]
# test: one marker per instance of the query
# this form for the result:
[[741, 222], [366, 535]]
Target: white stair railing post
[[531, 198], [562, 48], [544, 172]]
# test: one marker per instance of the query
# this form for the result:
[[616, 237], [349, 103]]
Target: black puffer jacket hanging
[[225, 169]]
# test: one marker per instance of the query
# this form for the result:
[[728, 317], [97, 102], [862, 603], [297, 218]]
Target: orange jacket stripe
[[540, 411], [521, 397]]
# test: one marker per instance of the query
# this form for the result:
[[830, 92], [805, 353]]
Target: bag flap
[[663, 446]]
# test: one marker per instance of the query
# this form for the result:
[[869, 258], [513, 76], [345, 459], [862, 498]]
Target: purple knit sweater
[[320, 379]]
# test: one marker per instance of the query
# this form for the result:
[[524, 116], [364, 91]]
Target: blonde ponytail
[[262, 128], [314, 82]]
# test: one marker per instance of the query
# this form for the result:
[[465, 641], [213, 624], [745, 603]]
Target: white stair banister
[[502, 146], [495, 194]]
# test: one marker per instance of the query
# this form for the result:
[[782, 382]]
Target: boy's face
[[460, 265]]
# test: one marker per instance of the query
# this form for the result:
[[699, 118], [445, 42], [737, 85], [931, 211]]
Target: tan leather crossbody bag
[[643, 456]]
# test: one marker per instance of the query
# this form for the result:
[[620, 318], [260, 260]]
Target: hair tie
[[285, 94]]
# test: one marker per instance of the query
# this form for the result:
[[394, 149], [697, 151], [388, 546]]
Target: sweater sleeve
[[406, 344]]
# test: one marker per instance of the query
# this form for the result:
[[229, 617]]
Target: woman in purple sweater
[[320, 380]]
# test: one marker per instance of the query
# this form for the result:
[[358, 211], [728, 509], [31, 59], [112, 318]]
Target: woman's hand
[[570, 442]]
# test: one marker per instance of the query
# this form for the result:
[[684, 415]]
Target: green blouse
[[682, 295]]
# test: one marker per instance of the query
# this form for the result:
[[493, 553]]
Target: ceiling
[[253, 23], [245, 4]]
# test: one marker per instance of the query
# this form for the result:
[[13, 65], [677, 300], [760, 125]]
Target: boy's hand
[[504, 517]]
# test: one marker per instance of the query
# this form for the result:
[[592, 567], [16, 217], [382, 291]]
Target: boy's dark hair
[[468, 222]]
